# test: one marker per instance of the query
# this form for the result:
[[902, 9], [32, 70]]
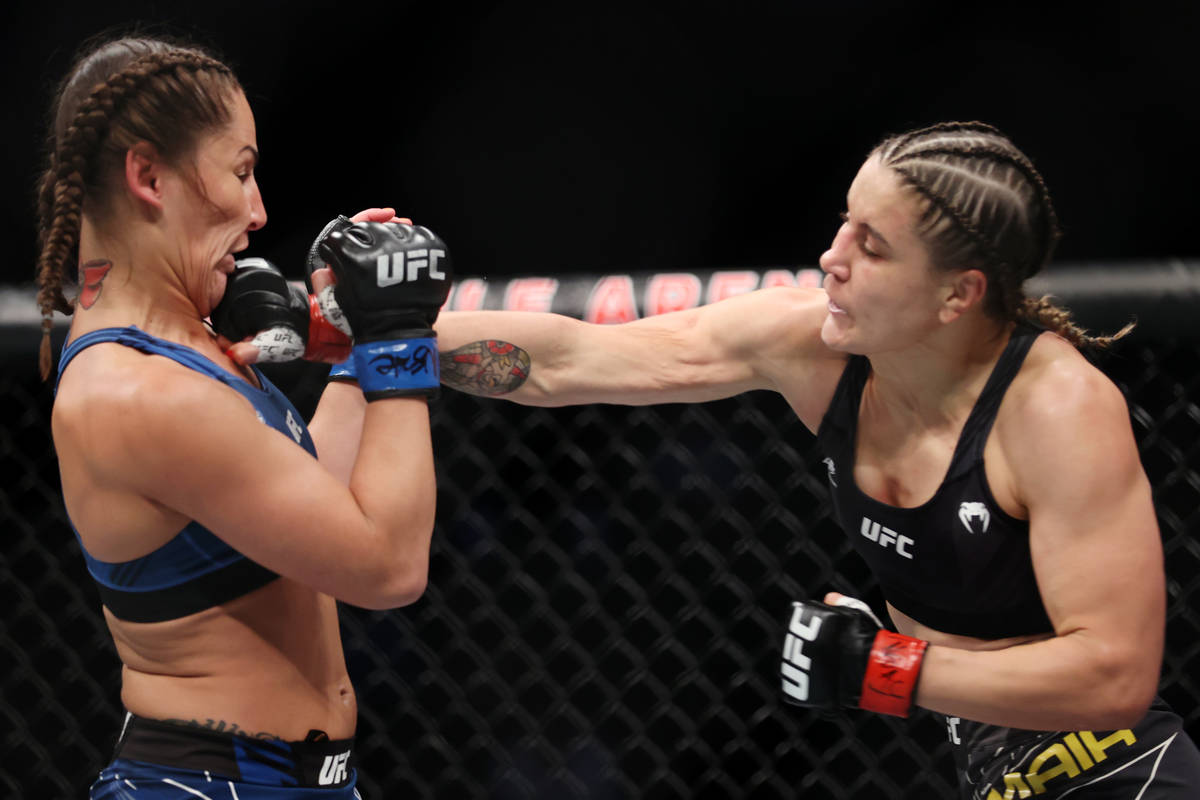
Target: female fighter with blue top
[[219, 528]]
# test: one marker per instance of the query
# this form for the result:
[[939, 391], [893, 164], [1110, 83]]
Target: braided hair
[[120, 93], [984, 206]]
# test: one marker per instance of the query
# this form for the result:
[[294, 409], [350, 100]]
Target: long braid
[[987, 207], [73, 165]]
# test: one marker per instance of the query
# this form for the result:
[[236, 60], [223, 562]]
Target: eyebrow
[[253, 153], [877, 235], [870, 230]]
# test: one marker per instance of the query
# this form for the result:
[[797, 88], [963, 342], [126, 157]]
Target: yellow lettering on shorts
[[1075, 754], [1077, 750], [1014, 787], [1098, 747], [1066, 766]]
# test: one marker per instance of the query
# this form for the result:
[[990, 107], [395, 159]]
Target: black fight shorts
[[1155, 759]]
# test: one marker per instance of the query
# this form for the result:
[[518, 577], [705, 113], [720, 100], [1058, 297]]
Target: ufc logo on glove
[[406, 266], [852, 661], [795, 664]]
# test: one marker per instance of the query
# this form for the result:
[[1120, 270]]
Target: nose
[[834, 261], [258, 211]]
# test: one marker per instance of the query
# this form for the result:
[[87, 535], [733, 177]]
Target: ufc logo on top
[[401, 267]]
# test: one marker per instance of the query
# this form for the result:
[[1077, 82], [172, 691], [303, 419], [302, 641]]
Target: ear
[[964, 289], [144, 173]]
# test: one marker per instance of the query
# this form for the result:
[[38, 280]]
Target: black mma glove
[[840, 655], [285, 322], [392, 279]]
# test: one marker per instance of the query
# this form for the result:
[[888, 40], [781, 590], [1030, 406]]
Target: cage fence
[[606, 594]]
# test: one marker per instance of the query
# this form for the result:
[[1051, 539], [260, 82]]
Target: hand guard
[[285, 323], [392, 279], [839, 655]]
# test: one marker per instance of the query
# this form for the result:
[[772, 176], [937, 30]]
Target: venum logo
[[831, 469], [406, 266], [975, 517], [886, 537]]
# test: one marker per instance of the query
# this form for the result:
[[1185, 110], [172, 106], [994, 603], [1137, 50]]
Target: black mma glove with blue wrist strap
[[392, 279]]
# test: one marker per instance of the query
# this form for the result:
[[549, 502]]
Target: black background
[[555, 137]]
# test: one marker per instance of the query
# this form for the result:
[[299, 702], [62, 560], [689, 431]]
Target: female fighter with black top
[[219, 529], [986, 471]]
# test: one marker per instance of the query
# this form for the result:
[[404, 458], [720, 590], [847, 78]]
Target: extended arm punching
[[760, 340]]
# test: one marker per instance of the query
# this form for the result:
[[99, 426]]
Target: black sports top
[[195, 570], [957, 563]]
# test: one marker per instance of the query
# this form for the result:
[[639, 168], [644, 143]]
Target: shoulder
[[778, 331], [781, 320], [1062, 414], [1057, 385], [115, 404]]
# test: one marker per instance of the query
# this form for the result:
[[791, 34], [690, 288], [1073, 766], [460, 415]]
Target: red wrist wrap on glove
[[891, 676], [325, 342]]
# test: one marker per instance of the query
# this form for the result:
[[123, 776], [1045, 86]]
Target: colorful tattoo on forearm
[[486, 368], [91, 280]]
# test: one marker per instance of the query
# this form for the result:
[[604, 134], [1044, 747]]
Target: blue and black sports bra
[[195, 570]]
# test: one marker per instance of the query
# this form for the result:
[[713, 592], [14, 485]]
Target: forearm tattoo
[[487, 368], [221, 726], [91, 280]]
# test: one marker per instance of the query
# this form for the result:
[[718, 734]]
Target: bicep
[[1094, 538]]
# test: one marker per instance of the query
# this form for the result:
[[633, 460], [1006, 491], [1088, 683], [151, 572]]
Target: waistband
[[316, 762]]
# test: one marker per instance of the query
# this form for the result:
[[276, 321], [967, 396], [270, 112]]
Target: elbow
[[399, 577], [409, 588], [400, 586], [1127, 686], [1128, 709]]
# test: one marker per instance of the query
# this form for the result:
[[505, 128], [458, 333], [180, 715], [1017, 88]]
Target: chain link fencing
[[607, 594]]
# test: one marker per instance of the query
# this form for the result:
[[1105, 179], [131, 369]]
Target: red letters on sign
[[672, 292], [612, 301], [468, 295], [729, 284], [530, 294]]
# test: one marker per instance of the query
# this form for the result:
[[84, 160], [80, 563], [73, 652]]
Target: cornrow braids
[[985, 206], [122, 92]]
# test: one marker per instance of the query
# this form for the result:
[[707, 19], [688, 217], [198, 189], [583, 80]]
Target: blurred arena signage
[[610, 299]]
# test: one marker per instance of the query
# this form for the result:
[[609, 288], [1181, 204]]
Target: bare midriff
[[269, 663]]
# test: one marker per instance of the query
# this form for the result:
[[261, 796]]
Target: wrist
[[892, 670], [325, 341], [344, 370], [398, 367]]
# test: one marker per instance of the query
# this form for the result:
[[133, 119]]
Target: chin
[[215, 293], [834, 337]]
